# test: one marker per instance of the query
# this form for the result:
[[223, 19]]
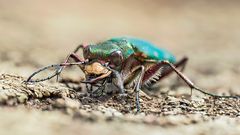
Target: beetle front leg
[[81, 46], [98, 78], [117, 80], [137, 71], [75, 57], [101, 88]]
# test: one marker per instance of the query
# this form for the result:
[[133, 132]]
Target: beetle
[[126, 62]]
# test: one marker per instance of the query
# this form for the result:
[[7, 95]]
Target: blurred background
[[41, 32]]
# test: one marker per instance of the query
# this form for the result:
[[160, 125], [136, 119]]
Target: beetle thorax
[[93, 52]]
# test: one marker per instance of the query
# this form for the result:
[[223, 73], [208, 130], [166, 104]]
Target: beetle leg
[[165, 73], [118, 81], [138, 84], [100, 85], [190, 83], [127, 67], [157, 72], [98, 78], [181, 64], [101, 88], [74, 56], [180, 74], [81, 46]]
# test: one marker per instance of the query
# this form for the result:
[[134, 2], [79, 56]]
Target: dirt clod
[[15, 92]]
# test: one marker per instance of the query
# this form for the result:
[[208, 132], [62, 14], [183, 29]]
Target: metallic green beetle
[[126, 62]]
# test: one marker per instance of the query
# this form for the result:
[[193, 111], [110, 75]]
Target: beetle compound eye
[[116, 58], [86, 52]]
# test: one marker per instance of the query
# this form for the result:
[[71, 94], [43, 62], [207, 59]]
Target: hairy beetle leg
[[191, 84], [158, 74], [181, 65]]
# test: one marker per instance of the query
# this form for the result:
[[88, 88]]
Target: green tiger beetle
[[127, 62]]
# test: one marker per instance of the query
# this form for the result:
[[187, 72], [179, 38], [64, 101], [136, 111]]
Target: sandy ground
[[39, 33]]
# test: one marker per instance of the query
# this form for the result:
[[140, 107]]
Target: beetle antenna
[[57, 66]]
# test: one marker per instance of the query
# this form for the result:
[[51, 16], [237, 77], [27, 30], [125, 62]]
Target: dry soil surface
[[39, 33]]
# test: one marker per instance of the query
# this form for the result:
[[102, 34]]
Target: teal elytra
[[149, 49]]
